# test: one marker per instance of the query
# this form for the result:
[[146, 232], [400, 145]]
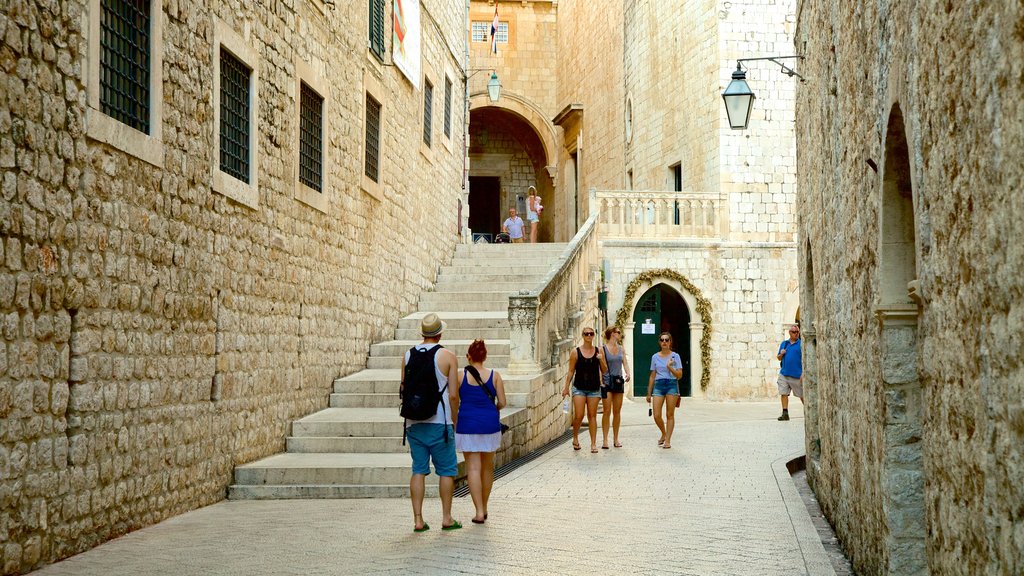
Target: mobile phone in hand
[[650, 411]]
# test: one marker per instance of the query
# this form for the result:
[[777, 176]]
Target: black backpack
[[419, 393]]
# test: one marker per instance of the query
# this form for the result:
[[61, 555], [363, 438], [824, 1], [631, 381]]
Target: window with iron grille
[[234, 116], [377, 28], [428, 111], [372, 159], [311, 148], [448, 107], [125, 61]]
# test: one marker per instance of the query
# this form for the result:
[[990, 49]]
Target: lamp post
[[739, 98]]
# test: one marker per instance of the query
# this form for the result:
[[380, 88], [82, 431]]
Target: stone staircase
[[353, 448]]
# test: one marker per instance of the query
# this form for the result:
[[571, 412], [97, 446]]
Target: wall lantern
[[494, 87], [739, 98]]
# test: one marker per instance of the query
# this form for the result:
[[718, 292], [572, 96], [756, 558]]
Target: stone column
[[696, 360], [522, 321], [902, 473]]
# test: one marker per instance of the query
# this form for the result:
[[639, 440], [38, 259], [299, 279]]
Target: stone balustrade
[[659, 214]]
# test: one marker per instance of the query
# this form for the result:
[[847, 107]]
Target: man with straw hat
[[433, 438]]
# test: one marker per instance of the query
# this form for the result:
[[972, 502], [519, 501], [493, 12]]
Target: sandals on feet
[[453, 526], [593, 449], [618, 444], [424, 529]]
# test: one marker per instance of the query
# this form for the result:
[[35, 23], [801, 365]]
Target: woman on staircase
[[478, 432]]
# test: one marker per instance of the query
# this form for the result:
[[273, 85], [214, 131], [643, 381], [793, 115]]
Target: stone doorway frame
[[700, 331]]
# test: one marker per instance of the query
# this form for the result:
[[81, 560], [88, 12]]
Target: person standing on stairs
[[478, 434], [532, 213], [586, 364], [433, 439]]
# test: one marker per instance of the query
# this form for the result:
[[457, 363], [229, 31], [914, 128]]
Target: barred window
[[311, 148], [234, 116], [448, 107], [377, 29], [428, 111], [481, 31], [125, 61], [372, 159]]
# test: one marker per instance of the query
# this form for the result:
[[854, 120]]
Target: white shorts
[[787, 384]]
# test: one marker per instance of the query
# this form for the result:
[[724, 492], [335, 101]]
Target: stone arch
[[695, 301], [902, 433], [525, 111]]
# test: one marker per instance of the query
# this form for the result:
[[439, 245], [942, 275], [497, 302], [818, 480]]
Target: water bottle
[[565, 405]]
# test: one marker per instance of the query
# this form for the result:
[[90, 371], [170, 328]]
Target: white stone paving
[[718, 503]]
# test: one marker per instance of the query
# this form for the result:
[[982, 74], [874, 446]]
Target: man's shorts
[[666, 387], [426, 443], [517, 240], [786, 384]]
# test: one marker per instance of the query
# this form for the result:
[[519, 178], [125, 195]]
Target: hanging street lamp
[[739, 98]]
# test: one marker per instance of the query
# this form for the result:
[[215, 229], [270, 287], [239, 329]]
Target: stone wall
[[749, 288], [916, 458], [155, 332]]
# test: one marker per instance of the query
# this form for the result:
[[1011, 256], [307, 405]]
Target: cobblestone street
[[720, 502]]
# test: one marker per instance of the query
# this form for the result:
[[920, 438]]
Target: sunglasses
[[663, 340], [588, 333]]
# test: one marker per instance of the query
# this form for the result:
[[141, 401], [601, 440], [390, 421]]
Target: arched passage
[[511, 148], [698, 307]]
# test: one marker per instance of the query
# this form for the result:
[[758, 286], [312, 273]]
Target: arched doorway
[[660, 309], [506, 156]]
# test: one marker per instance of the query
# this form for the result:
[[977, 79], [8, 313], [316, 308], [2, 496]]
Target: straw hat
[[432, 326]]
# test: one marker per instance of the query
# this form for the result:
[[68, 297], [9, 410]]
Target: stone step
[[446, 303], [459, 320], [469, 334], [385, 381], [325, 491], [312, 444], [340, 422], [471, 269], [329, 468], [451, 298], [374, 362], [458, 347], [471, 250], [391, 400], [503, 285]]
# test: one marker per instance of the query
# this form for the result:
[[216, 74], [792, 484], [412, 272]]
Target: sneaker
[[785, 416]]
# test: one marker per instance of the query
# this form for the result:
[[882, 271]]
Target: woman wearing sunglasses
[[666, 370], [586, 364], [615, 379]]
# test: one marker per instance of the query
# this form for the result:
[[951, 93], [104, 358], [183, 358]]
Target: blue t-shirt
[[659, 366], [514, 227], [792, 362]]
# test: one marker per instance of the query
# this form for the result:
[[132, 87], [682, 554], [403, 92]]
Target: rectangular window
[[372, 159], [234, 116], [377, 29], [311, 148], [481, 31], [448, 107], [428, 111], [125, 62], [502, 32]]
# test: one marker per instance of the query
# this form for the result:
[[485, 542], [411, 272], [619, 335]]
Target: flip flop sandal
[[593, 449], [618, 444], [424, 529], [453, 526], [604, 447], [576, 446]]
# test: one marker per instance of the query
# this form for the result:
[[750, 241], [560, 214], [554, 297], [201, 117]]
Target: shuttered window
[[125, 61], [377, 29]]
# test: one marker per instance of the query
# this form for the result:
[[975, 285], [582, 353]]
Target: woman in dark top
[[478, 431], [586, 364]]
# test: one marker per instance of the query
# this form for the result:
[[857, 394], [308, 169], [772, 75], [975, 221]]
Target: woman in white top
[[663, 385]]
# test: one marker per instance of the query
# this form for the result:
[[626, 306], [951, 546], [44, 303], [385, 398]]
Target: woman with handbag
[[586, 364], [479, 428], [663, 385], [614, 383]]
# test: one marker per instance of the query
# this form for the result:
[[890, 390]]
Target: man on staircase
[[431, 438]]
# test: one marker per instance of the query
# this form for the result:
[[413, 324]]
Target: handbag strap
[[476, 376]]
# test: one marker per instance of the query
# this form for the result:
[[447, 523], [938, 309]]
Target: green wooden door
[[647, 326]]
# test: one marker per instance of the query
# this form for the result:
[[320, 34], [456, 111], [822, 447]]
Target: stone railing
[[659, 214], [542, 317]]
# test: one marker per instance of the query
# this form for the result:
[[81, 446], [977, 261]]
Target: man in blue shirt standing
[[792, 370], [513, 226]]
